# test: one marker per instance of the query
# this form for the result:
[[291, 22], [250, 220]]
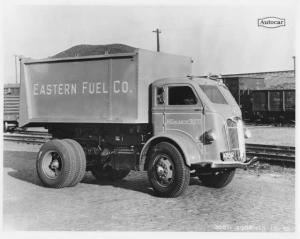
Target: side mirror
[[204, 109]]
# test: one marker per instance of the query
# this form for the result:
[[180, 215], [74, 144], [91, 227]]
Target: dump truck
[[113, 113]]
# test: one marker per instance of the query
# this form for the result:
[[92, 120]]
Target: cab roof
[[185, 80]]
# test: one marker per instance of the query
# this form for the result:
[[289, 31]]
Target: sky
[[221, 38]]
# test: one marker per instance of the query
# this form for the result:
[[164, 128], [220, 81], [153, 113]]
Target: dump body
[[95, 89]]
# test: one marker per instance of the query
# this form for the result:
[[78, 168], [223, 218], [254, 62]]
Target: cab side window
[[181, 95], [160, 96]]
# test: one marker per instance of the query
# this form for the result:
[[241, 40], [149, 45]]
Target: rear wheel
[[80, 161], [108, 173], [167, 172], [218, 179], [55, 164]]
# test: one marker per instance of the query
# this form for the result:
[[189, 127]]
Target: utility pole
[[16, 67], [294, 58], [157, 31]]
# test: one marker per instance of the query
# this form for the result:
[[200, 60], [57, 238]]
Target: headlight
[[210, 136], [247, 134]]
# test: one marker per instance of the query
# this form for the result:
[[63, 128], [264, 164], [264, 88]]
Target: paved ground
[[249, 203], [272, 135]]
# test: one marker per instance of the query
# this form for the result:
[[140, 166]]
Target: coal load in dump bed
[[91, 50]]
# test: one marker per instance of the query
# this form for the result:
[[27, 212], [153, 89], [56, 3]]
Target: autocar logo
[[271, 22]]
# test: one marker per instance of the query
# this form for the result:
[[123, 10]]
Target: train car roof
[[12, 85]]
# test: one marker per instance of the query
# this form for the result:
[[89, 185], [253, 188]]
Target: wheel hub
[[54, 164], [51, 164], [164, 170], [160, 171]]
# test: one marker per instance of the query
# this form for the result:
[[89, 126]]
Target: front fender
[[188, 147]]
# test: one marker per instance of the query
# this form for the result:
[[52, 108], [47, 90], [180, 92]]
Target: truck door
[[184, 111], [158, 109]]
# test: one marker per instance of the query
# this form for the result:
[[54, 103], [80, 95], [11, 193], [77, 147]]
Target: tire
[[55, 164], [218, 179], [167, 172], [80, 161], [108, 173]]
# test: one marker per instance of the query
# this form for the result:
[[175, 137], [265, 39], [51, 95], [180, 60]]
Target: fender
[[187, 145]]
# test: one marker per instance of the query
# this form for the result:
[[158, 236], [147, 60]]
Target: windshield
[[214, 94]]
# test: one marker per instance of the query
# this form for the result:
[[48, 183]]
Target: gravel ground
[[261, 200]]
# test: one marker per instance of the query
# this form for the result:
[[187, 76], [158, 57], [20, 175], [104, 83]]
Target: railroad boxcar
[[273, 105], [240, 88], [118, 112], [11, 105]]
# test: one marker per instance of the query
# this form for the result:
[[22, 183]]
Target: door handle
[[197, 109]]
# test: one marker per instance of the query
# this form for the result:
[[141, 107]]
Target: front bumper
[[226, 164], [235, 164]]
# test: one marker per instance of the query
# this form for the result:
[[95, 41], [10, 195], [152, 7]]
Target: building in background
[[272, 79], [264, 96]]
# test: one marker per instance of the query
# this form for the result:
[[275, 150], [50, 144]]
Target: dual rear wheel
[[61, 163]]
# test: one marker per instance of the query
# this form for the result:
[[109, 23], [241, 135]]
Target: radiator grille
[[233, 138]]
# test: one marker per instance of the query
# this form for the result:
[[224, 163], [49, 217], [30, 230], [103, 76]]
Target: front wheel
[[167, 172], [218, 179]]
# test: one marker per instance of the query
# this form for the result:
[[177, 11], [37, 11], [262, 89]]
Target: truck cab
[[201, 118], [204, 112]]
